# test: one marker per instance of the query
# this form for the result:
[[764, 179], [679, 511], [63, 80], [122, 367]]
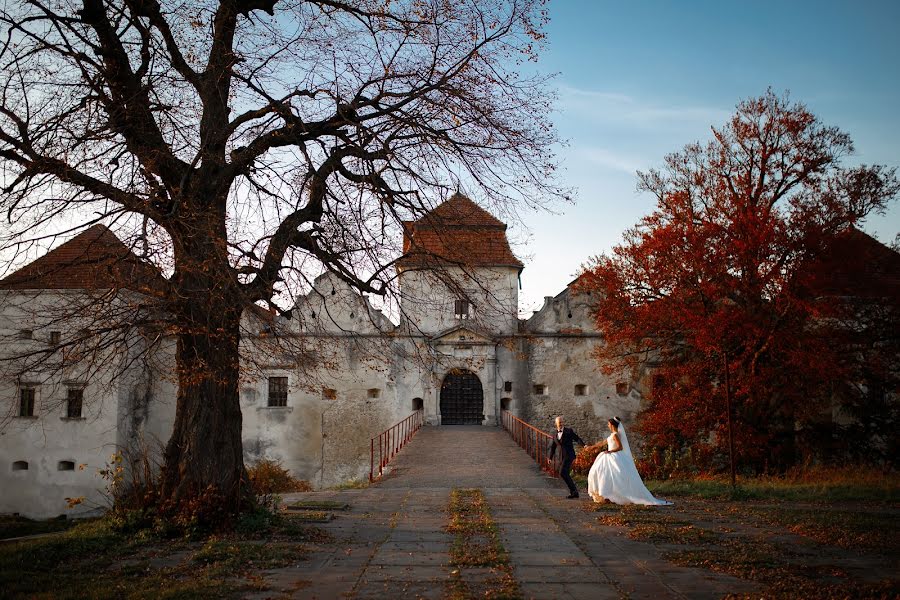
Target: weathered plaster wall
[[428, 299], [351, 374], [560, 340], [50, 437]]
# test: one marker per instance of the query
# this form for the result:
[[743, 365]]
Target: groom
[[565, 438]]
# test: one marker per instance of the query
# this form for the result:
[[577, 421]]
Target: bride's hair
[[615, 422]]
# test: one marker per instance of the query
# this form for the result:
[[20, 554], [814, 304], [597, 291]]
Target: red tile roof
[[457, 231], [93, 259], [856, 265]]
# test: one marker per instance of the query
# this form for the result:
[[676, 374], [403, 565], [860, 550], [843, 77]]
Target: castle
[[459, 353]]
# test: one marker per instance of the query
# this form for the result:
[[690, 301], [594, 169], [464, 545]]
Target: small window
[[540, 390], [505, 403], [20, 465], [374, 393], [622, 388], [418, 404], [74, 402], [581, 390], [507, 386], [55, 338], [26, 402], [65, 465], [329, 394], [461, 309], [26, 334], [278, 390]]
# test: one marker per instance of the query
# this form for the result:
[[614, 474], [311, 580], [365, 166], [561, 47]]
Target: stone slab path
[[392, 542]]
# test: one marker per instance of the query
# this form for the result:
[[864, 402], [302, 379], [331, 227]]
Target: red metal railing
[[391, 440], [534, 441]]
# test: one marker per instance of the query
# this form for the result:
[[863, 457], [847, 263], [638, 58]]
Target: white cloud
[[607, 107], [607, 159]]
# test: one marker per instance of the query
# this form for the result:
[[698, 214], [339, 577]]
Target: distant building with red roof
[[457, 232], [855, 265], [93, 259]]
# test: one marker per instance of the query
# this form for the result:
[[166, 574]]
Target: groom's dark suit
[[566, 442]]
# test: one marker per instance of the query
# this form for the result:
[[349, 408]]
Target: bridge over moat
[[393, 542]]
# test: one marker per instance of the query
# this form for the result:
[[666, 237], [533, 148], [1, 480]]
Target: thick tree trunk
[[204, 457], [204, 454]]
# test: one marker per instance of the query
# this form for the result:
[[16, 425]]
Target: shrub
[[586, 458], [268, 477]]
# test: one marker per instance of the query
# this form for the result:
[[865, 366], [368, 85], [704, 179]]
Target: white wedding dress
[[614, 477]]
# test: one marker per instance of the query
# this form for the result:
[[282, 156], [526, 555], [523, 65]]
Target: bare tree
[[245, 140]]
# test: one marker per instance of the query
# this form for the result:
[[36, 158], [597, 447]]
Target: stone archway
[[462, 399]]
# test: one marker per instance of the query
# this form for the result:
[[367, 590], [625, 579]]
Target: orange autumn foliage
[[726, 272]]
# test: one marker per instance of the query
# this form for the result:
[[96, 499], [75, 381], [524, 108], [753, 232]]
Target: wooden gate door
[[462, 399]]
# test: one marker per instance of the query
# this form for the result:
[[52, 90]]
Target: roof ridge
[[459, 211], [93, 259], [457, 232]]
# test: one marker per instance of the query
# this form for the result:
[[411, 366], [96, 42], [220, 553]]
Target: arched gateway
[[462, 399]]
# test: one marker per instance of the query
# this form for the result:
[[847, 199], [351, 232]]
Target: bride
[[613, 475]]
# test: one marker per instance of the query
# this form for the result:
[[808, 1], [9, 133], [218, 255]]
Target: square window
[[540, 389], [26, 334], [581, 390], [74, 402], [507, 386], [26, 401], [329, 394], [461, 309], [374, 393], [278, 391], [622, 388], [55, 337]]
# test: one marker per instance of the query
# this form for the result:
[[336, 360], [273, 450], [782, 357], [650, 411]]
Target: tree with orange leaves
[[714, 291]]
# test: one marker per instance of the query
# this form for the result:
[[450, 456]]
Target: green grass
[[847, 529], [352, 484], [313, 516], [705, 531], [477, 545], [95, 560], [225, 557], [318, 505], [775, 568], [886, 490], [15, 526]]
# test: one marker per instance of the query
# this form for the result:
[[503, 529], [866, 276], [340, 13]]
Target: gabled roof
[[463, 333], [457, 232], [93, 259], [856, 265], [459, 211]]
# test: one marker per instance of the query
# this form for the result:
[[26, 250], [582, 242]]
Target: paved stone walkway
[[392, 543]]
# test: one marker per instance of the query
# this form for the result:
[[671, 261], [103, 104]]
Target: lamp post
[[728, 417]]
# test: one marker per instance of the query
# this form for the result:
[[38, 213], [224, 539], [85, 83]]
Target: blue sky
[[640, 79]]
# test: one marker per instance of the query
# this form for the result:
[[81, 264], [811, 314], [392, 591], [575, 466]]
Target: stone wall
[[563, 376], [351, 374], [49, 457], [428, 299]]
